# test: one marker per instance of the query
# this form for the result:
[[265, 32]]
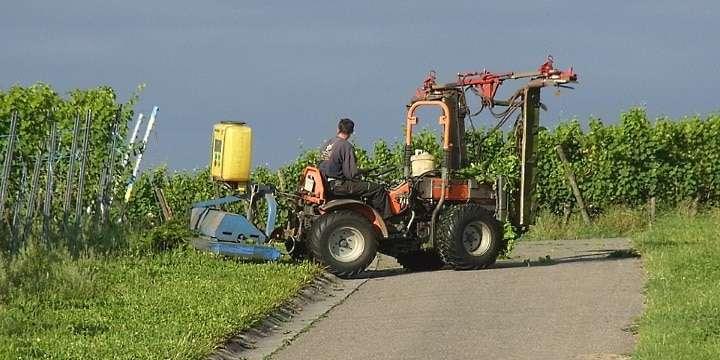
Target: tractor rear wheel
[[421, 260], [469, 237], [344, 241]]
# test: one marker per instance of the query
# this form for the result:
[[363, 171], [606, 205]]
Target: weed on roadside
[[615, 222]]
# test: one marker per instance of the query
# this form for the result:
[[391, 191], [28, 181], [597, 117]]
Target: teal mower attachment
[[234, 235]]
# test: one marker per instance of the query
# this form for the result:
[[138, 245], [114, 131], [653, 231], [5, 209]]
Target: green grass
[[682, 258], [174, 305], [615, 222]]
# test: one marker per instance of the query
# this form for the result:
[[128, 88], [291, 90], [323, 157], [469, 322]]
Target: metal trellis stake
[[126, 157], [83, 163], [7, 165], [108, 180], [133, 138], [71, 169], [17, 206], [30, 208], [50, 181], [136, 168]]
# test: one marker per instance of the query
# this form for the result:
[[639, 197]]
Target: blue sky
[[291, 69]]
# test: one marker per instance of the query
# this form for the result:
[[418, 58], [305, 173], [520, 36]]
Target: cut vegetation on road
[[682, 258], [174, 305]]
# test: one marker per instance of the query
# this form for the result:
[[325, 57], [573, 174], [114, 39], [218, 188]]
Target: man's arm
[[349, 167]]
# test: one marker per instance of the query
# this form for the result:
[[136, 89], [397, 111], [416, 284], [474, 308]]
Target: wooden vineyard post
[[573, 184], [567, 211], [281, 181], [162, 202], [652, 210]]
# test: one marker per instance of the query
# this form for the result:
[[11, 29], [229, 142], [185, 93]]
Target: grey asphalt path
[[572, 300]]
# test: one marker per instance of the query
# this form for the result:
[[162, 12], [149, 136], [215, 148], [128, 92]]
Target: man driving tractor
[[338, 166]]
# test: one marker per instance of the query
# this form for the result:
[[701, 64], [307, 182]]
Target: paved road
[[577, 305]]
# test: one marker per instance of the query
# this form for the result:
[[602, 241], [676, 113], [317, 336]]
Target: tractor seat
[[329, 195]]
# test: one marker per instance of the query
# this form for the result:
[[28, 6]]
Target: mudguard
[[362, 208]]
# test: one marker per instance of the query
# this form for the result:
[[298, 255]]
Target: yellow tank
[[232, 153]]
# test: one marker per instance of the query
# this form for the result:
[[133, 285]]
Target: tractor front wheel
[[344, 241], [468, 237]]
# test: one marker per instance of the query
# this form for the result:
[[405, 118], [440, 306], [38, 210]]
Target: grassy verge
[[682, 258], [615, 222], [170, 305]]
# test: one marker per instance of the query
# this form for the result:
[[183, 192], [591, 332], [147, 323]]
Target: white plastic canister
[[421, 162]]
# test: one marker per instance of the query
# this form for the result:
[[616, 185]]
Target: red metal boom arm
[[486, 83]]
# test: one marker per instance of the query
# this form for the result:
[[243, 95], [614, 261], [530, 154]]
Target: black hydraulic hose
[[433, 219]]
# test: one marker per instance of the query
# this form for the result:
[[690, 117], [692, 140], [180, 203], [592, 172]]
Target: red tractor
[[437, 219]]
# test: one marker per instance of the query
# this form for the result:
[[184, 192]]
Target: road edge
[[290, 320]]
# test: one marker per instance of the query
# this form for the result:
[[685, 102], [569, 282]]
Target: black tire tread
[[315, 246], [449, 225]]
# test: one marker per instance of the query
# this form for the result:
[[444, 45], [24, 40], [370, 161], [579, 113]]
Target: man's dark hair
[[346, 126]]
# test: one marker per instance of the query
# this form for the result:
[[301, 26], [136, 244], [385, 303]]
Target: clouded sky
[[291, 69]]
